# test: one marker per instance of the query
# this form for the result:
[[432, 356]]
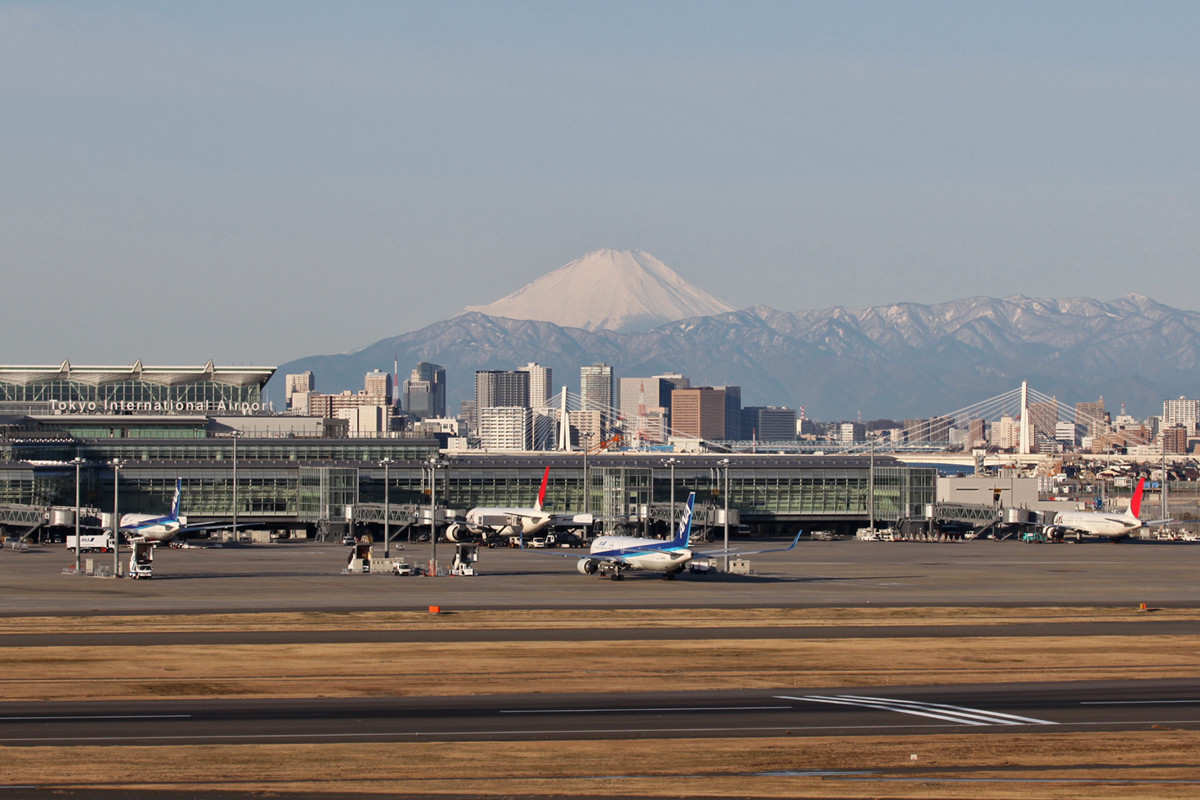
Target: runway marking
[[960, 714], [1184, 701], [97, 716], [636, 710]]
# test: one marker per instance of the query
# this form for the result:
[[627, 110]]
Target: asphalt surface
[[308, 575], [1060, 707]]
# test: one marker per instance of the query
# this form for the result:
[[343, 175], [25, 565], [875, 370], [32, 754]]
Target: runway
[[812, 711]]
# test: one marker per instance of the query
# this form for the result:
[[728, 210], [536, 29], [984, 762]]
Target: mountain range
[[901, 360]]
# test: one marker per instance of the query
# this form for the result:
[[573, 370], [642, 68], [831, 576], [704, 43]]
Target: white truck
[[91, 542], [141, 562]]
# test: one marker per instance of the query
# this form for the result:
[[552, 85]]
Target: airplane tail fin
[[175, 501], [542, 491], [1135, 504], [683, 537]]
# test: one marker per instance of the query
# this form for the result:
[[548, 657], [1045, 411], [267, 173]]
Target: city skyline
[[248, 178]]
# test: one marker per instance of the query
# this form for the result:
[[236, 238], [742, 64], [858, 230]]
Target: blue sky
[[254, 182]]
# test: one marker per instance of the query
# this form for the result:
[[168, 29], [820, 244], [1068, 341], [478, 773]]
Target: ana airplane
[[151, 528], [142, 528], [613, 555], [482, 522], [1101, 523]]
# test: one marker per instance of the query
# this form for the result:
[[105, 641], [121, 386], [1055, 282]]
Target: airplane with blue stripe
[[612, 555], [159, 529], [151, 528]]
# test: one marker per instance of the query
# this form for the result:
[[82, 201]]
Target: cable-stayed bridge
[[1021, 421]]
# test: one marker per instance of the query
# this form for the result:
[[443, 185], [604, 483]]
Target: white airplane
[[613, 555], [151, 528], [159, 529], [482, 521], [1101, 523]]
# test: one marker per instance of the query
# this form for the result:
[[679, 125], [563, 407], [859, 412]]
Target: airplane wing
[[572, 520], [720, 553]]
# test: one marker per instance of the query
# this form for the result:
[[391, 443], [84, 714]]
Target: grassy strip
[[1163, 764], [599, 618], [410, 669]]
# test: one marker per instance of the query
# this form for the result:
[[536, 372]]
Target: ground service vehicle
[[91, 542]]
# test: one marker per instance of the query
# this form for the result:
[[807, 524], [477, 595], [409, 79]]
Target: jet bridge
[[28, 519]]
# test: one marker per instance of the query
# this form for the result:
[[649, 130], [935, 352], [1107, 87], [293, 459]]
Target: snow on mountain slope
[[620, 290]]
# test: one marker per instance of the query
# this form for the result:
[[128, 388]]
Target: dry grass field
[[1157, 763]]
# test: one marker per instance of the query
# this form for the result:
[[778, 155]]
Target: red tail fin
[[1135, 505], [542, 492]]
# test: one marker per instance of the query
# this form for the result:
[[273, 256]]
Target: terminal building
[[124, 435]]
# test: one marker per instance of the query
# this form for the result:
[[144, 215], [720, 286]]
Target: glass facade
[[303, 480], [135, 389]]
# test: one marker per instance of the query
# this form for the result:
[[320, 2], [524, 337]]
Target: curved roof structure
[[164, 376]]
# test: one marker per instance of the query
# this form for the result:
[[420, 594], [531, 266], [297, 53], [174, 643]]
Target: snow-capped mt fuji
[[619, 290]]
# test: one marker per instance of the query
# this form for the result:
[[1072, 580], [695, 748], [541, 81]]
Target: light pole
[[116, 465], [433, 465], [871, 487], [724, 462], [235, 435], [670, 462], [387, 528], [77, 461], [587, 445]]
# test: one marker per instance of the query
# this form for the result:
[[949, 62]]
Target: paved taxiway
[[287, 576], [1062, 707]]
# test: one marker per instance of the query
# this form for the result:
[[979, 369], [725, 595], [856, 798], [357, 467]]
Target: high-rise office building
[[298, 384], [1175, 439], [977, 433], [541, 384], [768, 423], [596, 393], [916, 430], [499, 388], [596, 387], [504, 428], [379, 385], [425, 391], [939, 428], [733, 412], [1181, 412], [851, 432], [1092, 417], [699, 412]]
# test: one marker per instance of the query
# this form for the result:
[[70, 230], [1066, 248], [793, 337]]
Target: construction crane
[[604, 444]]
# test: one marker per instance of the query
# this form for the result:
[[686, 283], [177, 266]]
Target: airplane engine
[[453, 531], [1053, 533], [586, 566]]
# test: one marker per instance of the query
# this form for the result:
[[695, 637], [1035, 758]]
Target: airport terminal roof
[[165, 376]]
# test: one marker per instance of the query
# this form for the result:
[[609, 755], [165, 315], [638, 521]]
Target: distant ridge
[[619, 290], [902, 360]]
